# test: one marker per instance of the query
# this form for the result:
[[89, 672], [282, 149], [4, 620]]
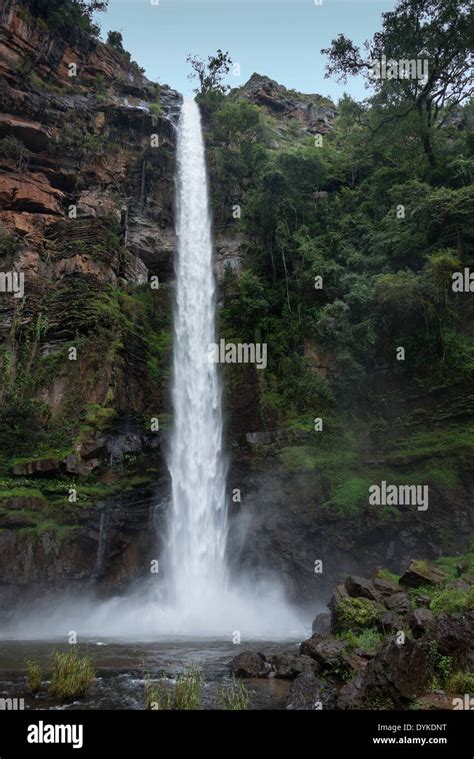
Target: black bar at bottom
[[136, 733]]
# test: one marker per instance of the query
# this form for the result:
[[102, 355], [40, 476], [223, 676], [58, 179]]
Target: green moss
[[351, 496], [386, 574], [357, 613], [20, 492], [99, 417], [450, 564], [298, 458]]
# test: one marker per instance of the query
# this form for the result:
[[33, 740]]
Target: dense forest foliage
[[380, 208]]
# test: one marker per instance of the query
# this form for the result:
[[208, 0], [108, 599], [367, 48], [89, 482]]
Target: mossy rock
[[356, 614]]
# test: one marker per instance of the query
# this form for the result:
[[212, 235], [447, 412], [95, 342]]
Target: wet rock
[[250, 664], [308, 692], [352, 695], [390, 622], [399, 603], [420, 621], [360, 587], [327, 652], [322, 624], [386, 587], [421, 573], [454, 636], [399, 672], [289, 666]]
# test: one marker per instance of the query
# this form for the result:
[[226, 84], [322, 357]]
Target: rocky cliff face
[[86, 217], [313, 114]]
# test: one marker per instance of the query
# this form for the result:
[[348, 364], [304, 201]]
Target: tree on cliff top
[[435, 32], [210, 74], [69, 16]]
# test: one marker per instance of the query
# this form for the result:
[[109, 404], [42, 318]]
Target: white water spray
[[198, 528]]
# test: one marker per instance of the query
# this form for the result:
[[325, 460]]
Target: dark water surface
[[122, 666]]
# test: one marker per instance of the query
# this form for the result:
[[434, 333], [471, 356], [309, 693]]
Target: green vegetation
[[234, 697], [442, 666], [386, 574], [382, 212], [367, 640], [69, 17], [460, 682], [356, 614], [33, 676], [186, 696], [188, 690], [157, 696], [72, 675], [452, 600]]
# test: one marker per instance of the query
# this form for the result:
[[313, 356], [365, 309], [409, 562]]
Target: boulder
[[359, 587], [386, 587], [289, 666], [352, 695], [308, 692], [399, 603], [250, 664], [421, 573], [420, 621], [326, 653], [454, 636], [355, 614], [399, 673]]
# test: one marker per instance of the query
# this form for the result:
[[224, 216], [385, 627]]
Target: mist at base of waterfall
[[252, 610]]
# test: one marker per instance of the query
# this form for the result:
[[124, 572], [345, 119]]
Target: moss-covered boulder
[[356, 614]]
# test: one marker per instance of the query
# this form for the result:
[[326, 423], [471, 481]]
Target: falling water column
[[198, 527]]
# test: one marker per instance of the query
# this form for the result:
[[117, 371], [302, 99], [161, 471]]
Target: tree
[[210, 74], [70, 17], [437, 31], [115, 39]]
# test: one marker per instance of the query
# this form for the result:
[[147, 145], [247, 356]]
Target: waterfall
[[196, 597], [198, 526]]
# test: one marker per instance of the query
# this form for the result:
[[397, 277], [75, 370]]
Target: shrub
[[460, 682], [452, 600], [367, 640], [33, 676], [235, 697], [72, 675], [188, 690], [157, 696]]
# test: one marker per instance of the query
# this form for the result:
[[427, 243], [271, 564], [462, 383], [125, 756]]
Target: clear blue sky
[[279, 38]]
